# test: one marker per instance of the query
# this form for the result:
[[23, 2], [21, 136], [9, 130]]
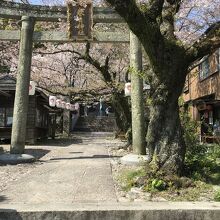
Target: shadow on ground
[[86, 157], [60, 142], [79, 152], [3, 198], [37, 153], [10, 214]]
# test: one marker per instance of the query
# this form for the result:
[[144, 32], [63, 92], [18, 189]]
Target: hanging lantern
[[52, 101], [32, 88], [77, 106], [127, 89], [68, 105], [63, 104], [58, 103]]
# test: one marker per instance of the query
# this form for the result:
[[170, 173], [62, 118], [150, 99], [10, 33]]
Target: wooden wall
[[198, 88]]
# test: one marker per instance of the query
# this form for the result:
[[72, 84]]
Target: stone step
[[118, 211], [95, 124]]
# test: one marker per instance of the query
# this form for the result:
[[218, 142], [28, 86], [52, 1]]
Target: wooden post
[[138, 126], [67, 120], [22, 86]]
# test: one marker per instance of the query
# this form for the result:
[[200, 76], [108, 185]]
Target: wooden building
[[40, 119], [202, 95]]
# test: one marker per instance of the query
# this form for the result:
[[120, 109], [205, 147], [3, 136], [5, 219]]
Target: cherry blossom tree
[[157, 24]]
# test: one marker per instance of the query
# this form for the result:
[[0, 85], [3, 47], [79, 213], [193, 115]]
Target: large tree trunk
[[122, 113], [164, 138]]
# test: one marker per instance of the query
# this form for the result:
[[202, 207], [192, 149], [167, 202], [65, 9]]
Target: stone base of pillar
[[14, 159], [134, 159]]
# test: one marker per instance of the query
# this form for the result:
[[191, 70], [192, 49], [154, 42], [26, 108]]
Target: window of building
[[41, 118], [9, 117], [209, 65], [2, 117], [204, 69], [6, 117]]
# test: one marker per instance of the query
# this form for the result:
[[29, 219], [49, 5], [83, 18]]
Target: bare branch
[[170, 8], [208, 42]]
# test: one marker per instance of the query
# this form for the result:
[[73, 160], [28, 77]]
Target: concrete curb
[[118, 211]]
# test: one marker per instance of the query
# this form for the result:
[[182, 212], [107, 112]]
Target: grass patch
[[217, 196], [171, 188], [128, 178]]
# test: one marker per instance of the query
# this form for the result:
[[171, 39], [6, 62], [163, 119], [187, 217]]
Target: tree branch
[[152, 9], [170, 8], [147, 31], [207, 43]]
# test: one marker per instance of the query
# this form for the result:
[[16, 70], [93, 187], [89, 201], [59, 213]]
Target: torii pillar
[[137, 101], [22, 86]]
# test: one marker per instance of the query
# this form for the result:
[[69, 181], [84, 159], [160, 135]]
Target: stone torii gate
[[27, 16]]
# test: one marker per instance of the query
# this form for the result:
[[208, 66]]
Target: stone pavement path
[[77, 170]]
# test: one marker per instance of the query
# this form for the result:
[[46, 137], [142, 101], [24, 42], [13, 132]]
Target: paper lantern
[[127, 89], [58, 103], [63, 104], [68, 106], [77, 106], [52, 101]]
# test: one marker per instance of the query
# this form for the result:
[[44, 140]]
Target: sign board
[[80, 20], [32, 88]]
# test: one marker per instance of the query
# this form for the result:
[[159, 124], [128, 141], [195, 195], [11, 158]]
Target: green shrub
[[201, 160], [129, 178], [217, 196], [158, 184]]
